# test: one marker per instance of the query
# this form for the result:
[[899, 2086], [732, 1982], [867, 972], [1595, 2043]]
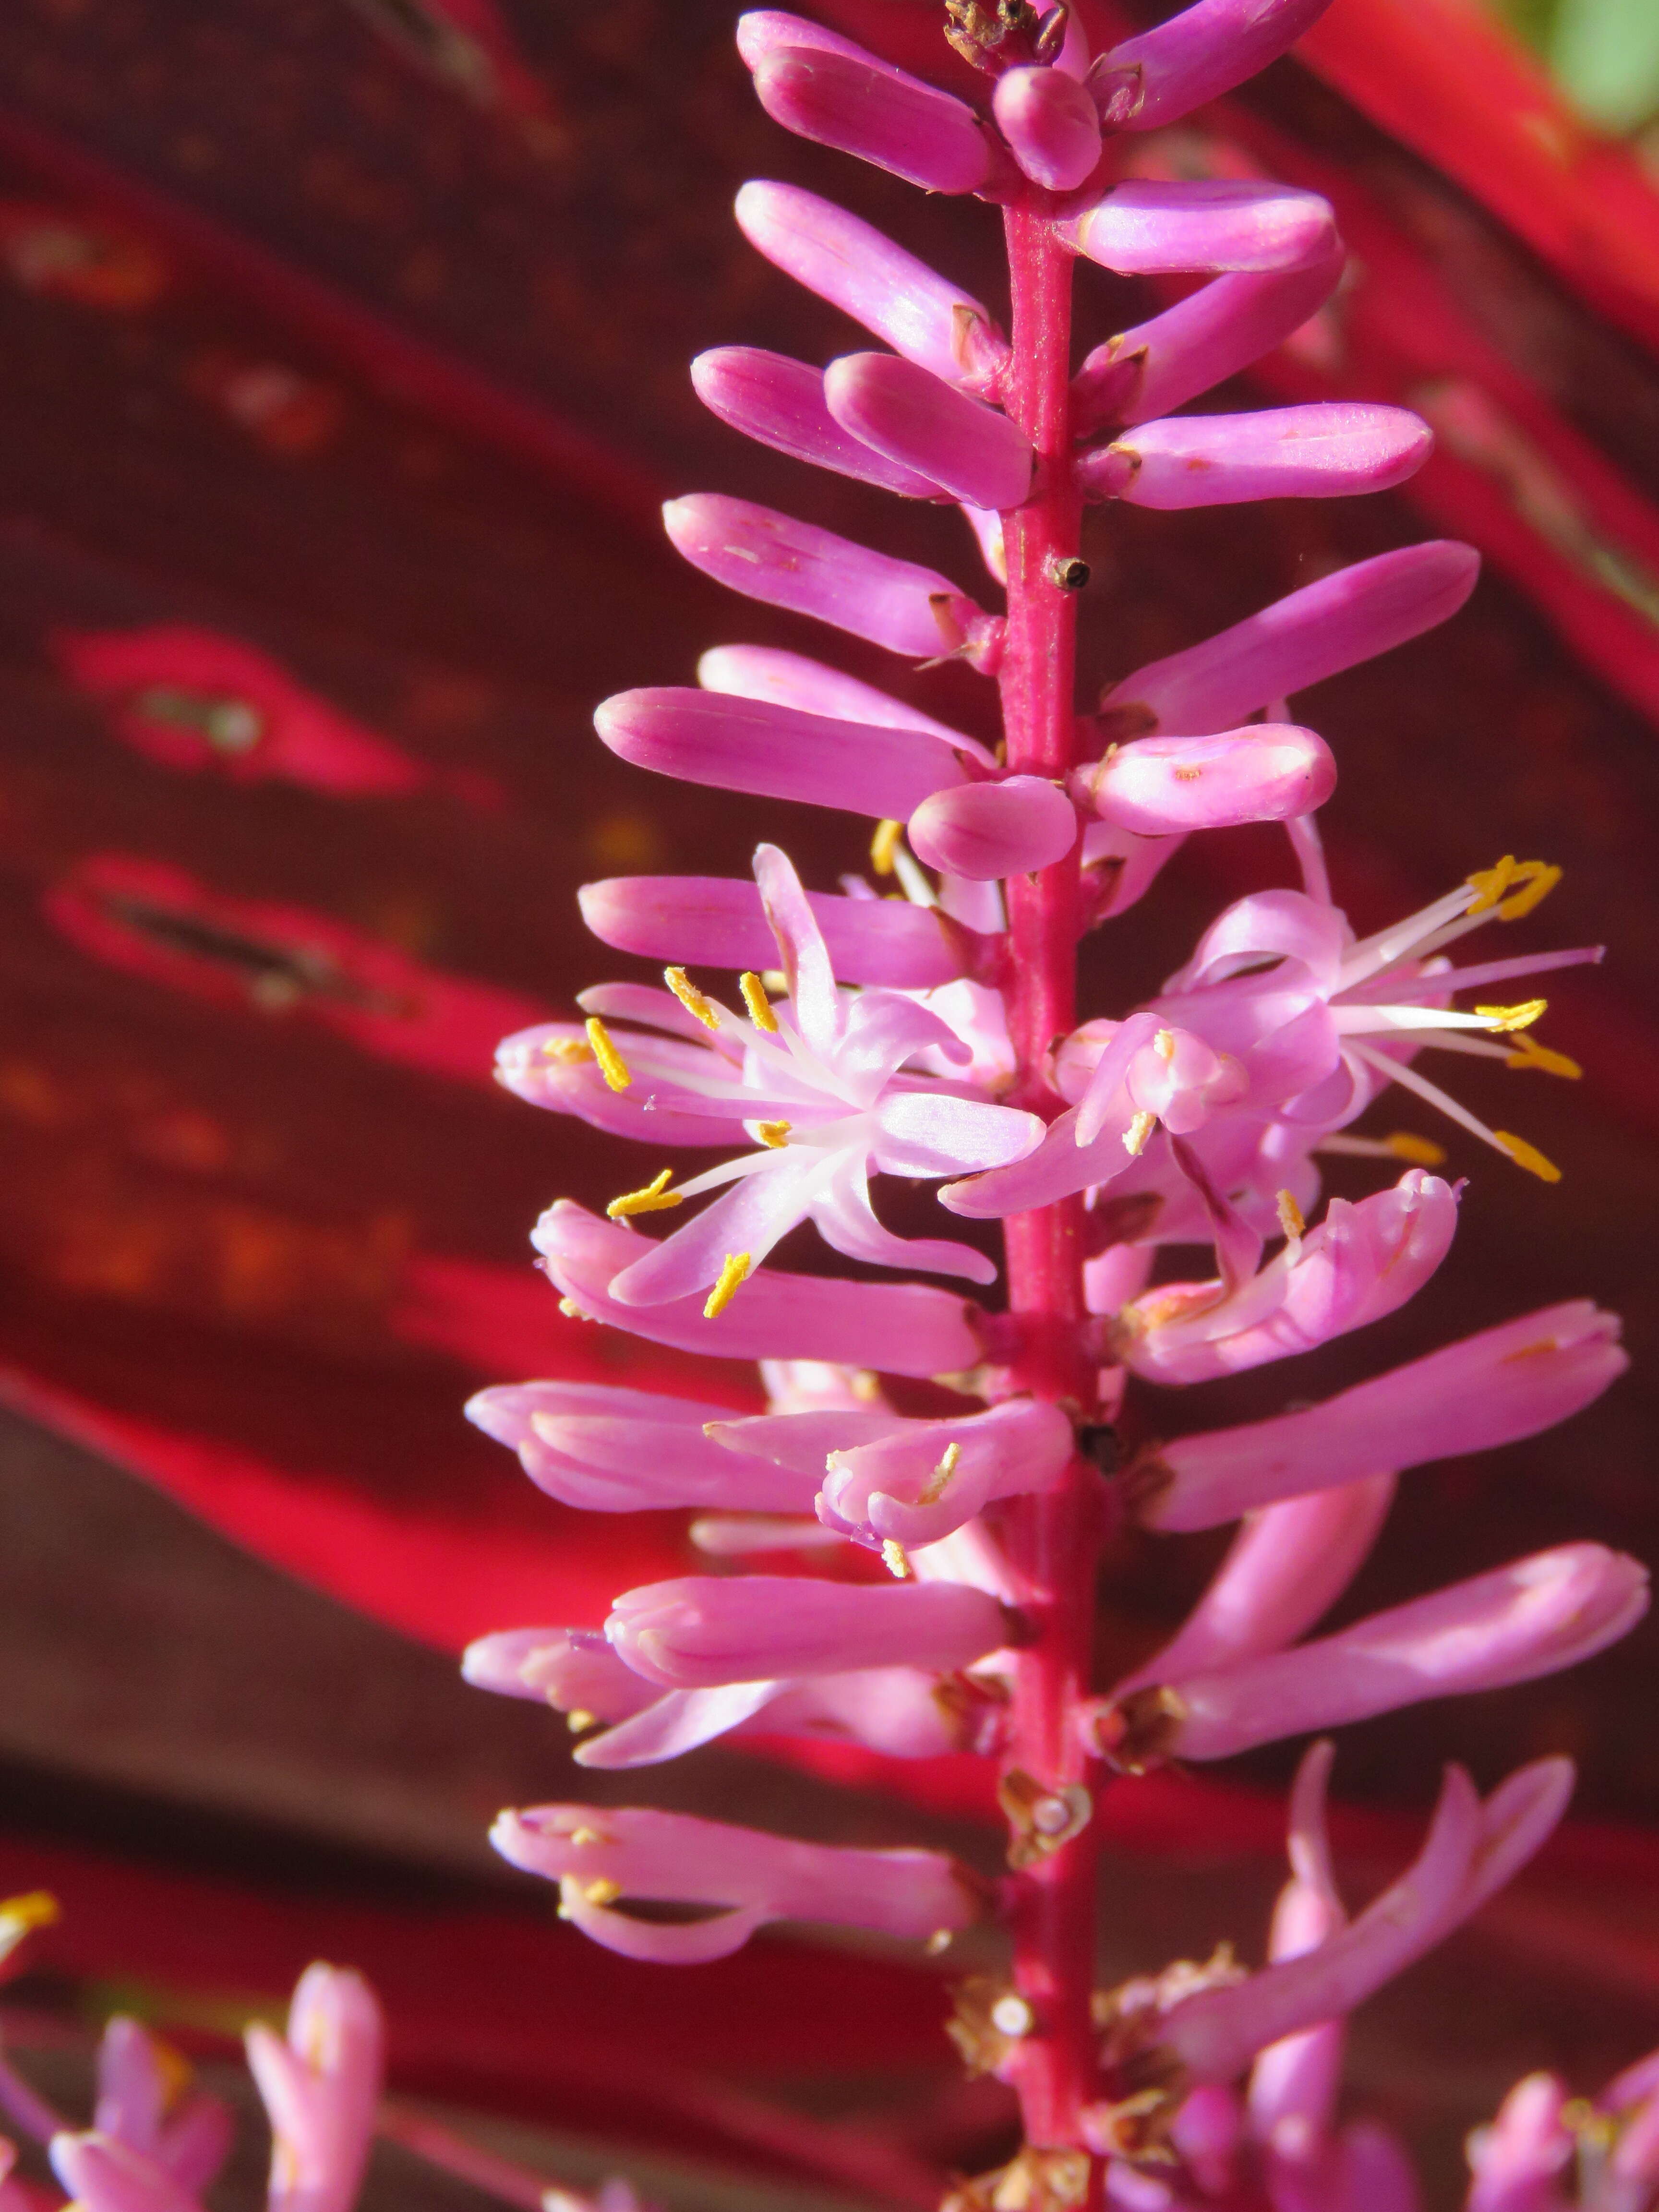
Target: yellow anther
[[571, 1312], [578, 1720], [655, 1198], [1530, 1053], [895, 1559], [733, 1276], [602, 1891], [691, 998], [1416, 1151], [175, 2069], [1489, 884], [20, 1916], [938, 1481], [883, 846], [586, 1836], [570, 1051], [1291, 1220], [759, 1005], [612, 1066], [775, 1133], [1505, 1020], [1135, 1136], [1163, 1044], [1513, 887], [1528, 1157]]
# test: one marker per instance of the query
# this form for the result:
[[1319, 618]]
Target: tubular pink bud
[[770, 556], [915, 1486], [790, 679], [1489, 1389], [868, 109], [920, 424], [320, 2085], [1051, 123], [1198, 343], [919, 313], [1317, 632], [707, 1629], [1334, 449], [718, 921], [984, 830], [780, 403], [1160, 787], [600, 1854], [1149, 229], [1196, 56], [742, 744]]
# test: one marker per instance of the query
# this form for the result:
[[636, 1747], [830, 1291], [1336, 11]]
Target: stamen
[[1512, 888], [579, 1720], [691, 998], [759, 1005], [1135, 1136], [603, 1891], [1417, 1152], [579, 1836], [1505, 1020], [884, 845], [1290, 1218], [655, 1198], [775, 1133], [571, 1312], [732, 1277], [1528, 1157], [1531, 1054], [612, 1066], [570, 1051], [895, 1559], [1163, 1044], [938, 1481]]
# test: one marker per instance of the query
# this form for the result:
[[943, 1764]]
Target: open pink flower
[[321, 2085]]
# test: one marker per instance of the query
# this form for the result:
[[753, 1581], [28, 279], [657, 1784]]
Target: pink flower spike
[[138, 2106], [915, 1487], [780, 403], [899, 1329], [769, 556], [599, 1856], [986, 830], [1362, 1261], [868, 109], [1222, 328], [1334, 449], [1343, 619], [790, 679], [922, 426], [718, 921], [320, 2086], [776, 752], [1146, 228], [1532, 1617], [704, 1630], [1196, 57], [1508, 1382], [919, 313], [1163, 786], [106, 2175], [1051, 124]]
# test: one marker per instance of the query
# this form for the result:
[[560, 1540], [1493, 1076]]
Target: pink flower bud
[[915, 1486], [1161, 787], [1507, 1382], [926, 426], [1516, 2161], [868, 109], [1146, 228], [1317, 632], [321, 2087], [139, 2106], [1051, 123], [919, 315], [770, 557], [600, 1855], [1196, 57], [985, 830], [572, 1669], [1334, 449], [780, 403]]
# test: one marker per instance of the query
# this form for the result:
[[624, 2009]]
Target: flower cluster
[[933, 1036]]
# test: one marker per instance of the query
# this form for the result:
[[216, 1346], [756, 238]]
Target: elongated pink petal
[[605, 1465], [1334, 449], [802, 953], [770, 557], [1051, 124], [987, 830], [1059, 1166], [703, 1631], [1199, 342], [929, 1133], [1145, 227], [1343, 619], [1517, 2160], [899, 1329], [766, 31], [920, 314], [776, 752], [801, 1443], [926, 426], [673, 1724], [1507, 1382], [790, 679], [751, 1216], [1163, 786], [869, 109], [571, 1669], [843, 1216], [915, 1487], [1195, 56], [105, 2175], [717, 921], [138, 2106], [655, 1110], [780, 403]]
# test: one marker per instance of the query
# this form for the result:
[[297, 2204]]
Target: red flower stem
[[1053, 1542]]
